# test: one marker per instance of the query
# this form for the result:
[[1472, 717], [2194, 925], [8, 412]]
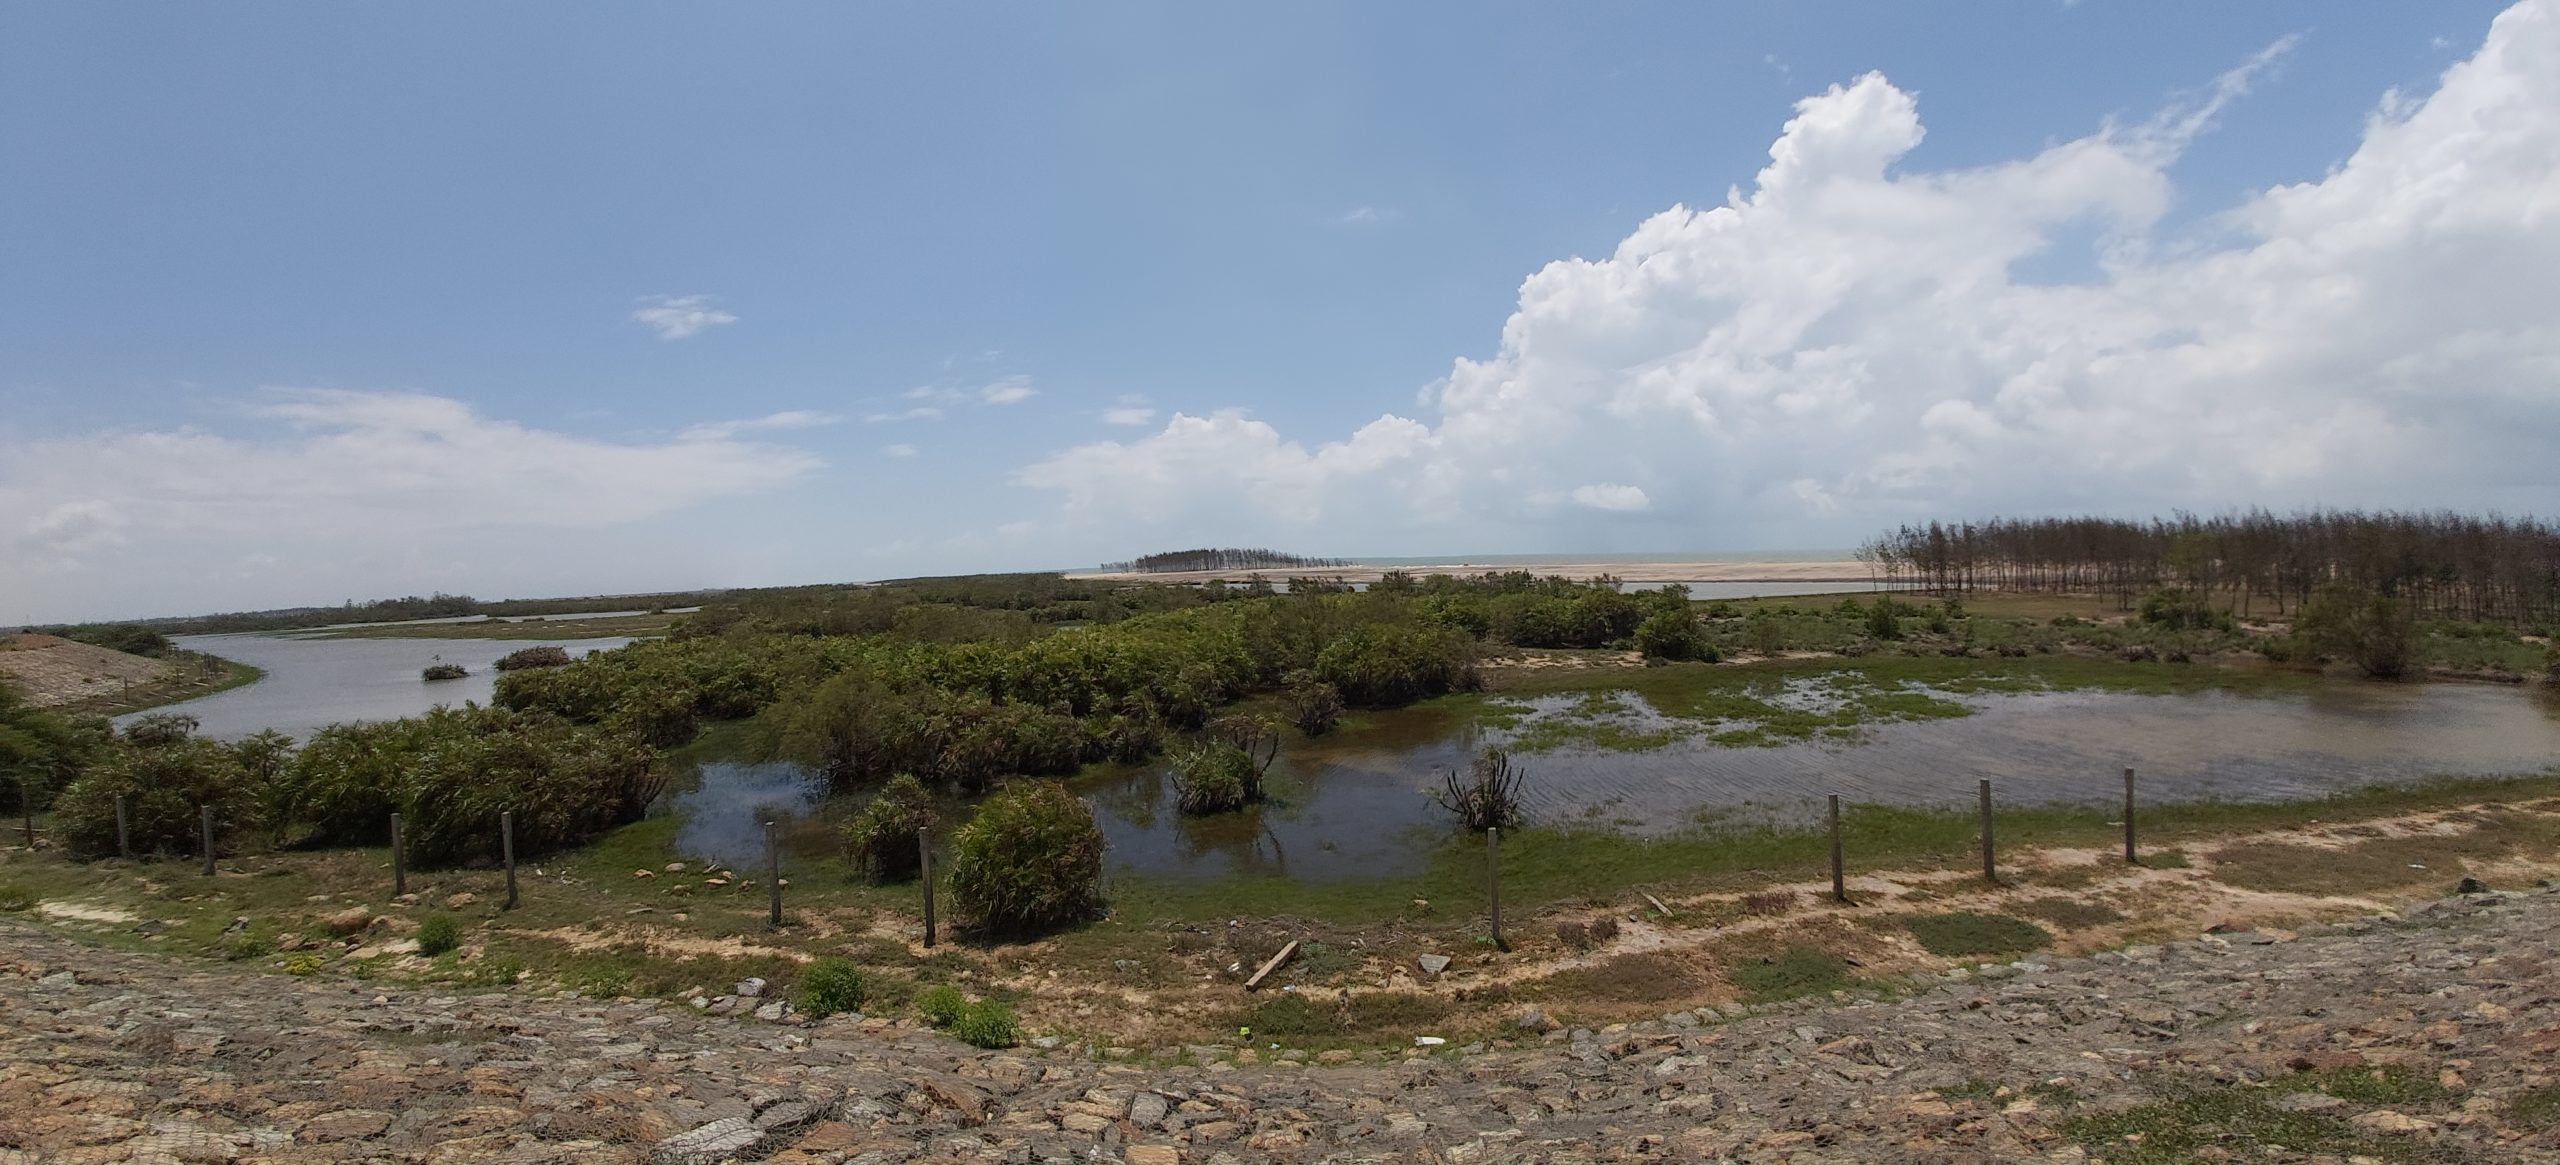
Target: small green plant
[[1964, 934], [1215, 778], [987, 1024], [828, 985], [1487, 795], [439, 933], [304, 963], [2167, 859], [248, 944], [942, 1005], [15, 896], [494, 973]]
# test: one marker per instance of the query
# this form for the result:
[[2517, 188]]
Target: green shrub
[[1673, 635], [987, 1024], [531, 657], [1030, 860], [304, 963], [444, 671], [439, 933], [1315, 707], [1385, 666], [1215, 778], [15, 896], [248, 944], [1965, 935], [883, 839], [828, 985], [163, 772], [1884, 620], [941, 1004]]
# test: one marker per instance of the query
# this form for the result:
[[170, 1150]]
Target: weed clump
[[883, 840], [1964, 934], [15, 896], [942, 1005], [1030, 860], [987, 1024], [1487, 796], [827, 986], [444, 671], [439, 933]]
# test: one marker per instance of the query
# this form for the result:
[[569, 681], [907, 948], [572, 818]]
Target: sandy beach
[[1847, 572]]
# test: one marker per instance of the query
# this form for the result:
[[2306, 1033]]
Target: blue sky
[[300, 304]]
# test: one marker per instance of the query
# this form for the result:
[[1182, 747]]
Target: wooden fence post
[[204, 826], [507, 852], [1839, 876], [399, 859], [924, 862], [27, 808], [773, 876], [2128, 816], [124, 831], [1990, 871], [1493, 883]]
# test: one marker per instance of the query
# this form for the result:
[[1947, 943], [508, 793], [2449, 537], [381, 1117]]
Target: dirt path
[[2426, 1036]]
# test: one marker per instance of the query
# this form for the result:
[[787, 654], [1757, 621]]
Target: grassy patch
[[1650, 977], [1967, 935], [2385, 863], [1294, 1018], [16, 896], [2241, 1121], [2392, 1084], [2070, 913], [2535, 1109], [1795, 971]]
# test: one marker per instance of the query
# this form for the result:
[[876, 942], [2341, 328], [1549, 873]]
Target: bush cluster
[[827, 986], [532, 657], [883, 840], [438, 933], [985, 1024], [1030, 860]]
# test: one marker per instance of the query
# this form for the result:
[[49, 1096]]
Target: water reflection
[[724, 812], [312, 683], [1357, 804]]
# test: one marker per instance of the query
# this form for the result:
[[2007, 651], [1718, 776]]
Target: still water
[[312, 683], [1357, 804]]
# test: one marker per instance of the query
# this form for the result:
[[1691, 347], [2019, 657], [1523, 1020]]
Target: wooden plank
[[1272, 965], [1657, 904]]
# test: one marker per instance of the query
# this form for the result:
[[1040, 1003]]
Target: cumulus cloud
[[1131, 409], [1855, 341], [901, 449], [328, 475], [675, 317]]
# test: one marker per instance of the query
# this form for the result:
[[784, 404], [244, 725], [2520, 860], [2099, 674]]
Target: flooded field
[[312, 683], [1358, 804]]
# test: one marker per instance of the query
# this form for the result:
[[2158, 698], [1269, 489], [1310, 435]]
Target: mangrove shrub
[[1030, 860], [883, 839]]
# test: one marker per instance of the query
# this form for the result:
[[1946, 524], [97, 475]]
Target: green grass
[[1967, 935], [1792, 972], [2192, 1116], [17, 896], [2535, 1109], [197, 675]]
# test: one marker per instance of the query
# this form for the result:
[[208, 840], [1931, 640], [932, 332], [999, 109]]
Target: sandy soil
[[1634, 572], [51, 670]]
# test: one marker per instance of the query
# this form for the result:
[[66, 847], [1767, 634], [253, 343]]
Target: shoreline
[[1847, 572]]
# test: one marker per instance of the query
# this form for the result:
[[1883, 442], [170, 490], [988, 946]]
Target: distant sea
[[1667, 556]]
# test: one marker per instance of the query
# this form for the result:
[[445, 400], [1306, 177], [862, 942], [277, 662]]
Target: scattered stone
[[748, 988], [734, 1136], [1433, 964], [349, 921]]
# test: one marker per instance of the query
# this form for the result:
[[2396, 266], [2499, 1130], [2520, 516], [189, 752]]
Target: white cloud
[[901, 449], [1008, 390], [1610, 496], [1130, 409], [918, 413], [1003, 390], [1851, 341], [1361, 215], [329, 476], [675, 317], [788, 419]]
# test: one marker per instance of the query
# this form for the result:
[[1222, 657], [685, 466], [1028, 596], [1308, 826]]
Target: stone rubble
[[115, 1057]]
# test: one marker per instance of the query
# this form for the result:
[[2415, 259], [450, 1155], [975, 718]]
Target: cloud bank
[[331, 477], [1851, 341]]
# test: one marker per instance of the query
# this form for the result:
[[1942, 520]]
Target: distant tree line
[[2438, 563], [1222, 559]]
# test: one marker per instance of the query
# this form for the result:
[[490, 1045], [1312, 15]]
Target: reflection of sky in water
[[1357, 804], [311, 683], [724, 815]]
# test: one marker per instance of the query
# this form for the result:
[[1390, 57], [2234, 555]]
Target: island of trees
[[1223, 559]]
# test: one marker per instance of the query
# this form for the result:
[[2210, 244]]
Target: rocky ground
[[2428, 1036]]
